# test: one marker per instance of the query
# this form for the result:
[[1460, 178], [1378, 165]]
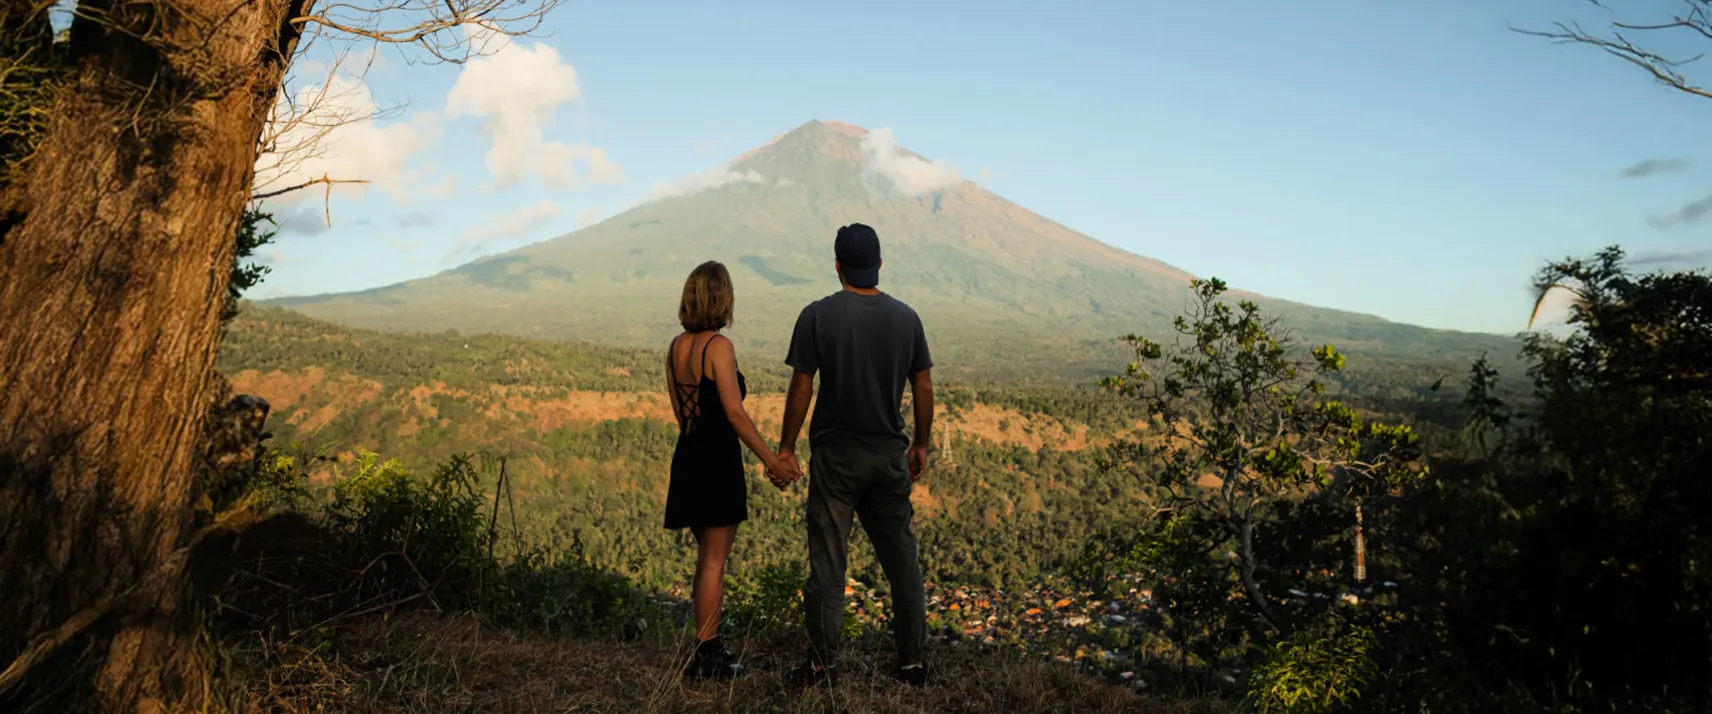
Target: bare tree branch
[[326, 199], [300, 122], [306, 184], [1693, 17], [448, 30]]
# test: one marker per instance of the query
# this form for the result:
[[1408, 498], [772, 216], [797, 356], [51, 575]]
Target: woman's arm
[[724, 358], [672, 378]]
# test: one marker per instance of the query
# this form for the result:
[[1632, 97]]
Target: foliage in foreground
[[386, 539], [1556, 561]]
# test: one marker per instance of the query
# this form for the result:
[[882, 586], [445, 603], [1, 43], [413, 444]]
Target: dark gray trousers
[[847, 480]]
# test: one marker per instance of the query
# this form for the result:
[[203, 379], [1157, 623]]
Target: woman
[[708, 493]]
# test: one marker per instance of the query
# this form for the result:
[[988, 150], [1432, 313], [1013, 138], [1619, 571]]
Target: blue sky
[[1414, 160]]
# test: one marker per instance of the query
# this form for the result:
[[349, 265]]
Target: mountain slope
[[1005, 293]]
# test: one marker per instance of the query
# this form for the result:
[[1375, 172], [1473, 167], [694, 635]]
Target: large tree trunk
[[112, 276]]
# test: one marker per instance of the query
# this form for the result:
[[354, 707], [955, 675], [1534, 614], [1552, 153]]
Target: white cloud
[[588, 217], [702, 181], [910, 175], [334, 130], [414, 219], [786, 182], [500, 228], [514, 224], [515, 90]]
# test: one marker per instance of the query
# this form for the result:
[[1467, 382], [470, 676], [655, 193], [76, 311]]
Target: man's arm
[[804, 359], [921, 392], [797, 401], [921, 387]]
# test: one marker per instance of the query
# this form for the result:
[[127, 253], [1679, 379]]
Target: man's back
[[865, 348]]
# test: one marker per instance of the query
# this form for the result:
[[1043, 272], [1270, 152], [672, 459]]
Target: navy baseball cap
[[858, 251]]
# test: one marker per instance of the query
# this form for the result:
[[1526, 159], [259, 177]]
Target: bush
[[405, 535], [1314, 672], [769, 603], [386, 539]]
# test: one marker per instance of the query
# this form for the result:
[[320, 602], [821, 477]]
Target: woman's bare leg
[[713, 546]]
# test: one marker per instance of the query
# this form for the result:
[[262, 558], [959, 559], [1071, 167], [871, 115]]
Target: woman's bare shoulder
[[719, 344]]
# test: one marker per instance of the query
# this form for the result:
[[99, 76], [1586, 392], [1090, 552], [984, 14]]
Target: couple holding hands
[[865, 346]]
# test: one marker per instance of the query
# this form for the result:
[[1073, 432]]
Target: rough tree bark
[[112, 276]]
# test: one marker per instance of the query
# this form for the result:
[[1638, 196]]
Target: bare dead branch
[[447, 30], [1695, 18], [307, 113], [327, 198]]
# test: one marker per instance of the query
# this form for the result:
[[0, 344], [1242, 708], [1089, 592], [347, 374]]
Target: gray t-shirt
[[865, 348]]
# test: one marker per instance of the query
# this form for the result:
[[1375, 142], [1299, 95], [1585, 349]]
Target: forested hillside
[[587, 433], [1194, 521]]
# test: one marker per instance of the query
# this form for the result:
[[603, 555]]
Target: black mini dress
[[708, 486]]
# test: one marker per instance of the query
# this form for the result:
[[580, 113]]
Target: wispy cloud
[[588, 217], [1673, 259], [414, 219], [702, 181], [513, 224], [1651, 167], [911, 175], [1690, 212], [502, 228]]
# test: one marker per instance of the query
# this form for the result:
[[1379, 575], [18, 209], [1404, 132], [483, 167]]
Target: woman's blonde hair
[[708, 298]]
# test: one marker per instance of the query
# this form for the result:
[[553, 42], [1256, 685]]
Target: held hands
[[783, 469]]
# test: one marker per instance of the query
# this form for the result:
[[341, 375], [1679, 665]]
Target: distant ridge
[[986, 274]]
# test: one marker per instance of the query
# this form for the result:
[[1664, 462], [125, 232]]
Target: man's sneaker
[[713, 661], [914, 675], [809, 673]]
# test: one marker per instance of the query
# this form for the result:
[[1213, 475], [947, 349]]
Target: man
[[866, 346]]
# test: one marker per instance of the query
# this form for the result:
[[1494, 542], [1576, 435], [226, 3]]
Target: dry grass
[[441, 665]]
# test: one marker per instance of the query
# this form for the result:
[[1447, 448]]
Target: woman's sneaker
[[713, 661]]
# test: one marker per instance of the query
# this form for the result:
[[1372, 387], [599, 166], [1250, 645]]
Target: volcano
[[1003, 292]]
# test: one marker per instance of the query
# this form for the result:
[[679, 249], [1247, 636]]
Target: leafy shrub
[[405, 535], [387, 539], [1313, 672], [563, 594], [771, 602]]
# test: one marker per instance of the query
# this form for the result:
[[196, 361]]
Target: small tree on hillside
[[1244, 429]]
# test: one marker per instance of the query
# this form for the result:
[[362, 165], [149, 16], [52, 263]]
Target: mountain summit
[[995, 283]]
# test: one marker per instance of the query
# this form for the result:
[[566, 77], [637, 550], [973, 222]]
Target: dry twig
[[1694, 17]]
